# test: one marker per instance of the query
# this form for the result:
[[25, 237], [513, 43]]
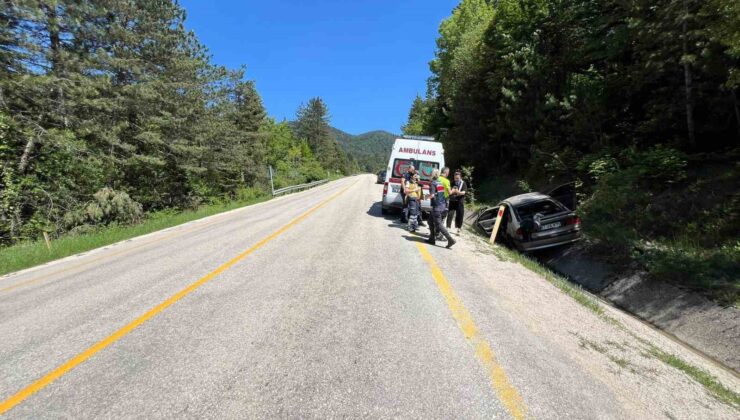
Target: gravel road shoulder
[[624, 355]]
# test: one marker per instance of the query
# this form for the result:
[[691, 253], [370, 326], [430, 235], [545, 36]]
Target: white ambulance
[[422, 152]]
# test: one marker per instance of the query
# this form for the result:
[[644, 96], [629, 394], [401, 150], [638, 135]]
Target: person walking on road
[[439, 206], [457, 202]]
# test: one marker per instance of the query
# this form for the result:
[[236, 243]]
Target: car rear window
[[545, 207], [400, 166]]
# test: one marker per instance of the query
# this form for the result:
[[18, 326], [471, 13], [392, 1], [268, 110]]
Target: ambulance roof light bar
[[423, 138]]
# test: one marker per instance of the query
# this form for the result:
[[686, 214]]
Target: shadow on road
[[376, 211], [394, 218], [398, 225], [415, 237]]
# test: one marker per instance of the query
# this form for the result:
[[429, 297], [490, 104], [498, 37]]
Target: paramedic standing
[[413, 202], [405, 180], [457, 202], [439, 206]]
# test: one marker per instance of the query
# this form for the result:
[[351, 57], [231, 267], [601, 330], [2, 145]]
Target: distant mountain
[[371, 150]]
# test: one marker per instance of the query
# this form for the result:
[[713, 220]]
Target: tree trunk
[[688, 79], [26, 156], [55, 45]]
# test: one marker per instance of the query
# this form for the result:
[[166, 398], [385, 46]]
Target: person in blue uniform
[[439, 207]]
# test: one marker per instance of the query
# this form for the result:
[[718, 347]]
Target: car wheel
[[508, 241]]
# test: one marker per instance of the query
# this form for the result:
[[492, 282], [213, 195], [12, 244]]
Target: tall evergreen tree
[[117, 94], [418, 115], [312, 125], [249, 117]]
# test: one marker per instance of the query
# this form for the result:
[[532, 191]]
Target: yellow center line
[[70, 364], [505, 391], [178, 232], [106, 256]]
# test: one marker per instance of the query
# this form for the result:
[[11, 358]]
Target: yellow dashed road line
[[505, 391]]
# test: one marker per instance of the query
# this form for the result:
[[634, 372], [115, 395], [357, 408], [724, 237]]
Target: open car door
[[565, 194], [486, 219]]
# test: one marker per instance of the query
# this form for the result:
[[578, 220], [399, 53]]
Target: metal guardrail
[[298, 187]]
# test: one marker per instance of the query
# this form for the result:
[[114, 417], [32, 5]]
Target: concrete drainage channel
[[687, 318]]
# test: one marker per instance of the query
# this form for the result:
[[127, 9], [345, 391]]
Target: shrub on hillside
[[713, 270], [467, 175], [108, 206], [620, 209], [248, 194]]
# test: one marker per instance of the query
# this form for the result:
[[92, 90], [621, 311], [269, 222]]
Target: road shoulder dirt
[[625, 357]]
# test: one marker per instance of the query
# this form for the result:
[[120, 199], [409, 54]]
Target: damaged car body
[[535, 221]]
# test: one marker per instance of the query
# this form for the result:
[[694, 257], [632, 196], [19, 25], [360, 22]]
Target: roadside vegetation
[[721, 392], [638, 102], [569, 288], [114, 121], [31, 253], [370, 150], [590, 302]]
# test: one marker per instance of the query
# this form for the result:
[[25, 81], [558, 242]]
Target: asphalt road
[[314, 305]]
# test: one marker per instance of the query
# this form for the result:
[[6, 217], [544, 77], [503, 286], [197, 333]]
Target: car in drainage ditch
[[535, 221]]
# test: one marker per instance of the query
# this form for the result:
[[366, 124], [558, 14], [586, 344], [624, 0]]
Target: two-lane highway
[[314, 305]]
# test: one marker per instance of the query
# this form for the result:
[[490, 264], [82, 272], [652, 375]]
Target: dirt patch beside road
[[692, 318], [651, 375]]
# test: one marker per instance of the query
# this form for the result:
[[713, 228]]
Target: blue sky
[[366, 59]]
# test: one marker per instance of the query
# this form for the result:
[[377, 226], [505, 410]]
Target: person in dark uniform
[[457, 202], [439, 206]]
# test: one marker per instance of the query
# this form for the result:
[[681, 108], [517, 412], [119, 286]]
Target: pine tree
[[418, 114], [251, 144], [312, 125], [102, 98]]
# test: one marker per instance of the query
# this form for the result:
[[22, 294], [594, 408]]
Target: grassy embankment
[[32, 253], [684, 233], [590, 302]]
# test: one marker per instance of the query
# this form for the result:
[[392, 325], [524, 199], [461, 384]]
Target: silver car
[[535, 221]]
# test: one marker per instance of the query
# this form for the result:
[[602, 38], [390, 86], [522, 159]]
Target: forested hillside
[[111, 109], [370, 150], [637, 101]]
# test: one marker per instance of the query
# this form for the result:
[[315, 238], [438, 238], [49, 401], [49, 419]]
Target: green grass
[[573, 290], [712, 271], [621, 362], [584, 343], [32, 253], [711, 383]]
